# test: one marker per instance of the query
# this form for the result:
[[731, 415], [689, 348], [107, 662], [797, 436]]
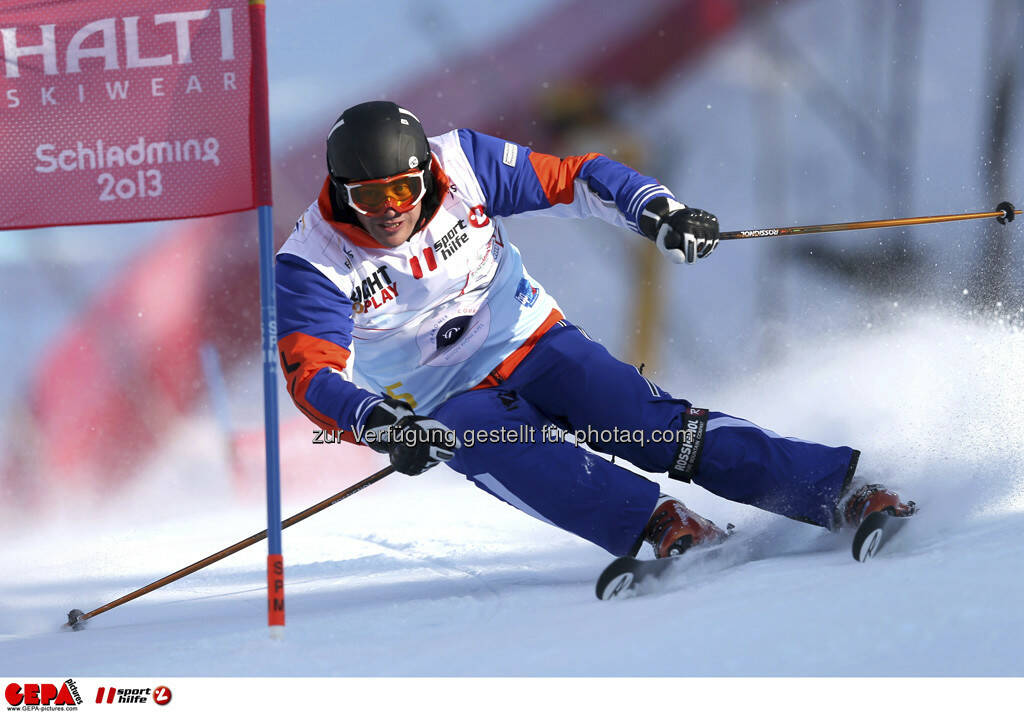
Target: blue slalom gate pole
[[268, 304], [268, 310]]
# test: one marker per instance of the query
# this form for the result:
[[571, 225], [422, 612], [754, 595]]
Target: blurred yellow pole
[[645, 320], [582, 119]]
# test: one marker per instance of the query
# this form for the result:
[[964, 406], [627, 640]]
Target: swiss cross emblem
[[477, 217]]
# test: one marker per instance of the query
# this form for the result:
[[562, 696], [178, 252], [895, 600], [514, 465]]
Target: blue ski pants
[[513, 446]]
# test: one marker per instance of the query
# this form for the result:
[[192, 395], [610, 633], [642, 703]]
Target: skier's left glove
[[413, 443], [419, 443], [683, 234]]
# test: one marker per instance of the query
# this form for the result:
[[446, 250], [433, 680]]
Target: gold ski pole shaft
[[76, 618], [1004, 213]]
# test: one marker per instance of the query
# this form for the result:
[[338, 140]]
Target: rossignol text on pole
[[1004, 213]]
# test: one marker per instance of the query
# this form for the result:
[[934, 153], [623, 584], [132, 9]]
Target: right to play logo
[[30, 696]]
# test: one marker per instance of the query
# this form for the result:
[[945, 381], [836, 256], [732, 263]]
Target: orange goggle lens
[[401, 193]]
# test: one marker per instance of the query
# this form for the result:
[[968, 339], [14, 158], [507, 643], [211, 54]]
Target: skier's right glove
[[413, 443], [681, 233]]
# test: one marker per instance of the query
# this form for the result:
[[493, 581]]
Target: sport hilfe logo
[[42, 694], [161, 695]]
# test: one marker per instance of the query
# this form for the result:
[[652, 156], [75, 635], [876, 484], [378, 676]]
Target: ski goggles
[[401, 193]]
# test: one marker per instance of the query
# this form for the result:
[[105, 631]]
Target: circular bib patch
[[454, 335]]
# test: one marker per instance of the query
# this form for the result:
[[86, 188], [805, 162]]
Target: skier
[[400, 278]]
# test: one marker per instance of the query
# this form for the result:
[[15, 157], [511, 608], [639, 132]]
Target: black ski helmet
[[374, 140]]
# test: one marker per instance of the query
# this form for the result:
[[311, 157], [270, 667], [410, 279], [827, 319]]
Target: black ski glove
[[683, 234], [413, 443]]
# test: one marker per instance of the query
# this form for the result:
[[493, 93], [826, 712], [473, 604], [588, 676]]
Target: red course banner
[[125, 110]]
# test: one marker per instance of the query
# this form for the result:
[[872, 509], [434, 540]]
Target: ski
[[628, 576], [874, 533], [623, 576]]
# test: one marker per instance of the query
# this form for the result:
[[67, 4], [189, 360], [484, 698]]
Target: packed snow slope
[[430, 576]]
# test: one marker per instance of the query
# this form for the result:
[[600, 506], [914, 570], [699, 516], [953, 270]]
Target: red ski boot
[[866, 499], [674, 528]]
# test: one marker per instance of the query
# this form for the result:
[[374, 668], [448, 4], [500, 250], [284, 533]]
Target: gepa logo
[[42, 694]]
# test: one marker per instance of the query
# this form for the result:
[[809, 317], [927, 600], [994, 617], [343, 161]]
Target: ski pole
[[76, 617], [1004, 213]]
